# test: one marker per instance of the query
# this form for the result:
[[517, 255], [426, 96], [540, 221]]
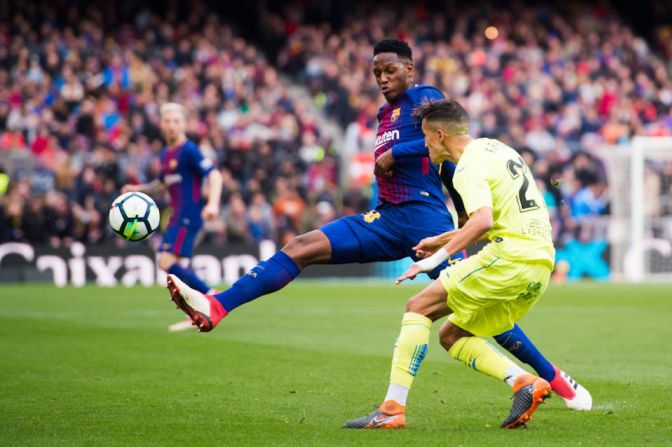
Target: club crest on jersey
[[532, 291], [395, 115], [172, 164], [371, 216]]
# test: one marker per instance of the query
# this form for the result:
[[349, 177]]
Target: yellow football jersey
[[492, 174]]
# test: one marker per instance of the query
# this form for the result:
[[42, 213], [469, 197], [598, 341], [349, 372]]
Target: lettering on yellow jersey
[[537, 229], [492, 146]]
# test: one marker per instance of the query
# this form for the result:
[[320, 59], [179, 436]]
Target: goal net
[[640, 225]]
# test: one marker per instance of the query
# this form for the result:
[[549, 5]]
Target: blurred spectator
[[260, 218], [288, 207], [80, 91], [237, 228], [554, 81]]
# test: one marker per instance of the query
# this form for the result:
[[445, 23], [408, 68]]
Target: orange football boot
[[390, 415], [529, 391]]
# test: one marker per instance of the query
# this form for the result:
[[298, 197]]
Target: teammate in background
[[487, 293], [410, 208], [183, 171]]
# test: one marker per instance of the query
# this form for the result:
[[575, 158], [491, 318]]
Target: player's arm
[[478, 225], [386, 160], [429, 245], [152, 188], [414, 148], [211, 209], [473, 184], [476, 228]]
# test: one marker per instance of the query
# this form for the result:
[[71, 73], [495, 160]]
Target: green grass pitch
[[97, 366]]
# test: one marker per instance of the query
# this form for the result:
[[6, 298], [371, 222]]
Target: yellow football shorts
[[488, 294]]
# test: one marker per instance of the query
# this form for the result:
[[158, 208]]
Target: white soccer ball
[[134, 216]]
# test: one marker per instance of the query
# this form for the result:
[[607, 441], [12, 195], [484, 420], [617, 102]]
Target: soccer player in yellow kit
[[485, 294]]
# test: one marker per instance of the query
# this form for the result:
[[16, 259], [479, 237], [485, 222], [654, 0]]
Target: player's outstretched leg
[[575, 396], [529, 390], [266, 277], [278, 271]]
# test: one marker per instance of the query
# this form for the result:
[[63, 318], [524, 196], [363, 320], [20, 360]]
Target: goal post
[[639, 176]]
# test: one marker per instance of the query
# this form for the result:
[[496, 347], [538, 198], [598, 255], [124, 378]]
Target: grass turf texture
[[97, 367]]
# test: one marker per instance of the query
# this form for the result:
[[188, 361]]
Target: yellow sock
[[410, 348], [477, 353]]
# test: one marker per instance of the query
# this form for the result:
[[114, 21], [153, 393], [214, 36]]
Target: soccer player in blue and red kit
[[411, 207], [183, 172]]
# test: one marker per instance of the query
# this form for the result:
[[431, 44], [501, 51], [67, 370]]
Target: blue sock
[[266, 277], [189, 277], [517, 343]]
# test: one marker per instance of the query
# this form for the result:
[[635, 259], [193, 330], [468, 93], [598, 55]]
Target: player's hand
[[384, 164], [411, 273], [428, 246], [210, 211], [129, 188]]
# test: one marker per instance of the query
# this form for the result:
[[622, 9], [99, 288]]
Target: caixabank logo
[[109, 266], [128, 265]]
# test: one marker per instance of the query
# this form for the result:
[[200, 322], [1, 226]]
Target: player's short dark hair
[[396, 46], [448, 111]]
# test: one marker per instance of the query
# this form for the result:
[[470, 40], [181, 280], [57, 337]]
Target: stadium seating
[[78, 112]]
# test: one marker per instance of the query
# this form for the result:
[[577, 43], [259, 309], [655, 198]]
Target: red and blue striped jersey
[[415, 177], [183, 169]]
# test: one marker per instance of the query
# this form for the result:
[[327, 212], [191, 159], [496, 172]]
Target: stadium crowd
[[556, 83], [79, 102], [79, 118]]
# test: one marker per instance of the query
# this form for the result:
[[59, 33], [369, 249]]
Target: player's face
[[393, 76], [433, 141], [173, 126]]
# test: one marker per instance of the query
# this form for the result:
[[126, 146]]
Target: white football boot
[[578, 398]]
